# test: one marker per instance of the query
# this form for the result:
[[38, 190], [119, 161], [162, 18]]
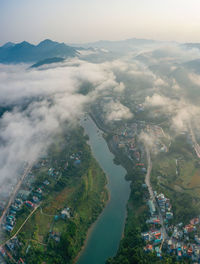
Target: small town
[[182, 241]]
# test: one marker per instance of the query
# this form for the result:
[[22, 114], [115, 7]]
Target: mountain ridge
[[25, 52]]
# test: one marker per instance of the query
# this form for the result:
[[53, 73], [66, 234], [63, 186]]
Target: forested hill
[[26, 52]]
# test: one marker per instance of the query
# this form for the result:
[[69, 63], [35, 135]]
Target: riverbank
[[89, 233], [98, 124]]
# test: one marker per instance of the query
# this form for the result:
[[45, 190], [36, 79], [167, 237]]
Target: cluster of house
[[53, 173], [165, 206], [180, 249], [13, 246], [11, 215], [185, 241], [26, 197], [16, 206], [34, 199], [76, 157], [150, 248], [154, 237], [64, 214], [125, 135], [125, 139]]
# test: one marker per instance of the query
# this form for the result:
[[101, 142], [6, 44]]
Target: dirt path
[[21, 226], [12, 197]]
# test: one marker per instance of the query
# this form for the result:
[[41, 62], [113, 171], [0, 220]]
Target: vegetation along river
[[106, 233]]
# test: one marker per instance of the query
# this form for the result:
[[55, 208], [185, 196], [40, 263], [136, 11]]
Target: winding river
[[107, 231]]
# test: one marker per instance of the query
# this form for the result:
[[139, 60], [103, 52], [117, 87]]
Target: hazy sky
[[91, 20]]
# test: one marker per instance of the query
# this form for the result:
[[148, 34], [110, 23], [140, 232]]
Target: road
[[12, 197], [148, 174], [152, 196], [195, 144]]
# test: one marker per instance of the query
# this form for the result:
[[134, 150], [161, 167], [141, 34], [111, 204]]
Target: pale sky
[[76, 21]]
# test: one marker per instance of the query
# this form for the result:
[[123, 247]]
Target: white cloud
[[157, 100], [53, 96], [194, 78], [116, 111]]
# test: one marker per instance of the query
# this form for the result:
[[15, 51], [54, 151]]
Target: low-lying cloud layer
[[182, 112], [115, 111], [42, 99]]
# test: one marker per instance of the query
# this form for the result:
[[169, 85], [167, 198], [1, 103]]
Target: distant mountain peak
[[27, 52], [24, 44], [8, 45], [47, 42]]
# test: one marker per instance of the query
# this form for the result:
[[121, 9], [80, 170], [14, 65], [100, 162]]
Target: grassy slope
[[182, 188]]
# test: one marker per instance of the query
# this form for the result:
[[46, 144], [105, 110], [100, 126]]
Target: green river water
[[107, 231]]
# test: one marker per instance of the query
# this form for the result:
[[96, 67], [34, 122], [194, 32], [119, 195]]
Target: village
[[182, 240], [29, 197], [127, 139]]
